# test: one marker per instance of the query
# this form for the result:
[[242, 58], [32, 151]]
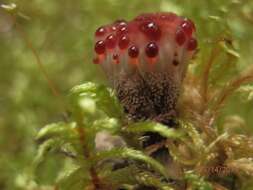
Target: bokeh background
[[62, 34]]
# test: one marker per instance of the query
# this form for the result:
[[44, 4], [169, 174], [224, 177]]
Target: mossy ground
[[62, 34]]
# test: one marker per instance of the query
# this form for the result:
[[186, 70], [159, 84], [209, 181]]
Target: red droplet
[[152, 50], [113, 28], [100, 47], [133, 51], [180, 37], [121, 23], [124, 42], [115, 57], [175, 62], [111, 41], [100, 31], [122, 30], [192, 44], [191, 23], [152, 30], [187, 27]]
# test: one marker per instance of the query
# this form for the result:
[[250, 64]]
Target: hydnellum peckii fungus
[[145, 60]]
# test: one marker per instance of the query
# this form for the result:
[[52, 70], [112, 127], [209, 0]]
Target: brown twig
[[51, 84]]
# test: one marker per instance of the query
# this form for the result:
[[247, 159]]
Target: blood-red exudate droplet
[[121, 22], [100, 31], [187, 27], [175, 62], [122, 30], [111, 41], [100, 47], [192, 44], [124, 42], [191, 23], [133, 51], [152, 50], [152, 30], [115, 57], [180, 37]]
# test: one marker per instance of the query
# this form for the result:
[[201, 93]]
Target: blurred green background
[[62, 34]]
